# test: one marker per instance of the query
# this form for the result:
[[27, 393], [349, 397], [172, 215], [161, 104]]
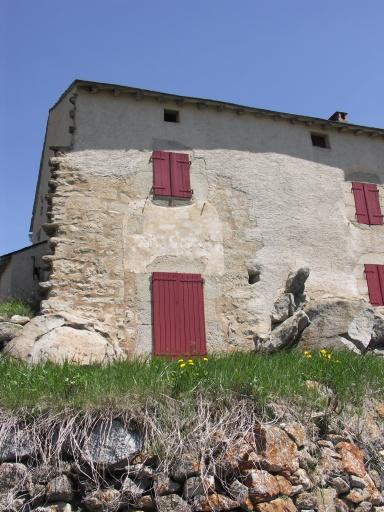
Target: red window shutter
[[360, 203], [373, 203], [178, 314], [161, 173], [180, 175], [375, 274]]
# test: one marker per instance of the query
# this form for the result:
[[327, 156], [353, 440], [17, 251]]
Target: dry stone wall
[[253, 219]]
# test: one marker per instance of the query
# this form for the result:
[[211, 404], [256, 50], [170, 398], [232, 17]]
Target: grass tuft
[[15, 307], [261, 378]]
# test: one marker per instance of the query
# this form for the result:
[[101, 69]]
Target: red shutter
[[178, 314], [161, 173], [360, 203], [180, 175], [375, 291], [373, 203]]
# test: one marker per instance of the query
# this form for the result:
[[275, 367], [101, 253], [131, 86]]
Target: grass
[[15, 307], [261, 378]]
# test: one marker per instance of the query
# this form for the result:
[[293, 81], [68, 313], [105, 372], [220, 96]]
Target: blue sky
[[301, 56]]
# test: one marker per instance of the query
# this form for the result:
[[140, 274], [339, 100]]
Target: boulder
[[111, 445], [14, 477], [16, 445], [216, 502], [338, 323], [103, 500], [277, 505], [172, 503], [276, 452], [296, 281], [22, 345], [286, 334], [326, 500], [19, 319], [340, 484], [163, 485], [185, 467], [58, 338], [8, 331], [283, 308], [239, 492], [55, 507], [197, 485], [352, 458], [59, 489], [296, 432], [130, 491], [261, 486], [306, 500]]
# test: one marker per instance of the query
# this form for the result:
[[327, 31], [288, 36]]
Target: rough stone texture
[[352, 458], [14, 476], [276, 451], [278, 505], [8, 331], [103, 500], [111, 445], [326, 500], [172, 503], [239, 492], [185, 467], [262, 486], [283, 308], [15, 445], [296, 432], [286, 334], [306, 500], [341, 486], [19, 319], [339, 322], [130, 491], [163, 485], [296, 282], [59, 489], [197, 485], [212, 502]]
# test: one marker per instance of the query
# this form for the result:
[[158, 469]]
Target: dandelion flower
[[181, 360], [182, 365], [205, 358], [191, 363], [190, 360]]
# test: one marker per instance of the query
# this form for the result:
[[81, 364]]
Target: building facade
[[174, 222]]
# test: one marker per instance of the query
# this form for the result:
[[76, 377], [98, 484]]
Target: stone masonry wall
[[260, 213]]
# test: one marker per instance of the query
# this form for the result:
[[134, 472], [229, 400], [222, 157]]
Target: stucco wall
[[21, 273], [264, 198], [57, 134]]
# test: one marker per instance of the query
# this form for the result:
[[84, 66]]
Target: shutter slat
[[180, 175], [360, 203], [161, 173], [178, 314], [374, 288], [373, 203], [380, 270]]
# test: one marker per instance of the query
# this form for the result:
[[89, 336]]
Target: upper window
[[367, 202], [320, 140], [171, 116], [375, 282], [171, 175]]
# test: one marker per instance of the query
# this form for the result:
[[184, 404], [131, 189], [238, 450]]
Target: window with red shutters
[[375, 281], [367, 203], [178, 314], [171, 175]]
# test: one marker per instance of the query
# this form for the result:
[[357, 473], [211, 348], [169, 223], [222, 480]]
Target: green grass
[[120, 385], [15, 307]]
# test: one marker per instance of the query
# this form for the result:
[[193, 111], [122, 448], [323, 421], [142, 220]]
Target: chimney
[[341, 117]]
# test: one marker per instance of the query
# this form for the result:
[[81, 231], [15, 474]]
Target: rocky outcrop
[[338, 323], [62, 337], [267, 469]]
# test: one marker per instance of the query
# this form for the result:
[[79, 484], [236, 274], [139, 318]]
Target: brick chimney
[[341, 117]]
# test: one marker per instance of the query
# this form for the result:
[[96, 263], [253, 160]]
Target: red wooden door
[[178, 314]]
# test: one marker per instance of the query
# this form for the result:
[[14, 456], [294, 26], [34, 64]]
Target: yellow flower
[[180, 361], [191, 362], [182, 365], [205, 358], [308, 356]]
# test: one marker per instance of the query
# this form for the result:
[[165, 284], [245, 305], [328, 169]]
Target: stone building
[[174, 222]]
